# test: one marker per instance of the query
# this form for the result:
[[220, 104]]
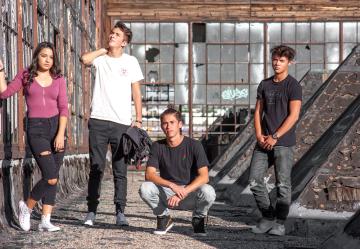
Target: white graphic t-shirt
[[111, 98]]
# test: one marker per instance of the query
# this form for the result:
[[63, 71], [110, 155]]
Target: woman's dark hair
[[31, 73]]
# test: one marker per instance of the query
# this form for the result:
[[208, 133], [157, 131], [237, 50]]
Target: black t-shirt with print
[[178, 164], [276, 97]]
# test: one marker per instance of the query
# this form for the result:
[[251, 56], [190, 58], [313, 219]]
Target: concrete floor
[[228, 227]]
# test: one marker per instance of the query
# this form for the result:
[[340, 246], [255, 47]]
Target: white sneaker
[[90, 219], [278, 229], [24, 216], [263, 226], [46, 225]]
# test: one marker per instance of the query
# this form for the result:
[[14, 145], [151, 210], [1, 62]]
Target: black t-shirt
[[178, 164], [276, 97]]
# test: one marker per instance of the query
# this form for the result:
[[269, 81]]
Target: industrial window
[[162, 51], [229, 59], [8, 48]]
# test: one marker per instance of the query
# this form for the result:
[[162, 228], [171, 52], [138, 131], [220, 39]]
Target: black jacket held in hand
[[136, 145]]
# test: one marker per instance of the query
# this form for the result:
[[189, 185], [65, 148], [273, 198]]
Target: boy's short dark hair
[[283, 51], [171, 110], [125, 29]]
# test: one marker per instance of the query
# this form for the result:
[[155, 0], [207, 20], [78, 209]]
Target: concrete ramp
[[346, 238], [233, 165], [336, 95]]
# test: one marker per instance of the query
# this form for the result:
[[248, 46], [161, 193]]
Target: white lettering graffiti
[[231, 94]]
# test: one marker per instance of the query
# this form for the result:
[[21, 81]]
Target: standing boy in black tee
[[277, 110], [183, 168]]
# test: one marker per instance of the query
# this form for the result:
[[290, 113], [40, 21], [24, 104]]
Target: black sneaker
[[199, 226], [164, 224]]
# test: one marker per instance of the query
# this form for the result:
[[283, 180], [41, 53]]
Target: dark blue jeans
[[282, 157], [101, 134], [41, 133]]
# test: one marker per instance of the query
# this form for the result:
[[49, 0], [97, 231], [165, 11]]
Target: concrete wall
[[17, 177]]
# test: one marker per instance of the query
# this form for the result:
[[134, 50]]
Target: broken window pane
[[152, 53], [181, 53], [181, 94], [152, 73], [199, 73], [181, 74], [199, 32], [302, 54], [199, 53]]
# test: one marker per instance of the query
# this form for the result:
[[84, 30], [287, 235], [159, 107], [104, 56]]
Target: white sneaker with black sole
[[90, 219]]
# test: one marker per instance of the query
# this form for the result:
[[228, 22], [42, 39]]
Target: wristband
[[137, 121]]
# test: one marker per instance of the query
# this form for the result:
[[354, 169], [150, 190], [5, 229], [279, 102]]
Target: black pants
[[101, 134], [41, 133]]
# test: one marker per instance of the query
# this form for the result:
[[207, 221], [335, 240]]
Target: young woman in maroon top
[[47, 111]]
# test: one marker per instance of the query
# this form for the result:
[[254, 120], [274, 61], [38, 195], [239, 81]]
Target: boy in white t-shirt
[[118, 77]]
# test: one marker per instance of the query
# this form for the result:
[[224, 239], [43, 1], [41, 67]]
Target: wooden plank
[[304, 2], [252, 2], [160, 2], [227, 10]]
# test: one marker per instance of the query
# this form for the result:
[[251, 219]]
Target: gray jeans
[[282, 157], [156, 197]]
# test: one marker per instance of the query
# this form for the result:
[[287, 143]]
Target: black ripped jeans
[[41, 133]]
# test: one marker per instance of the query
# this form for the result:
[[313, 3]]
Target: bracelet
[[137, 121], [2, 69]]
